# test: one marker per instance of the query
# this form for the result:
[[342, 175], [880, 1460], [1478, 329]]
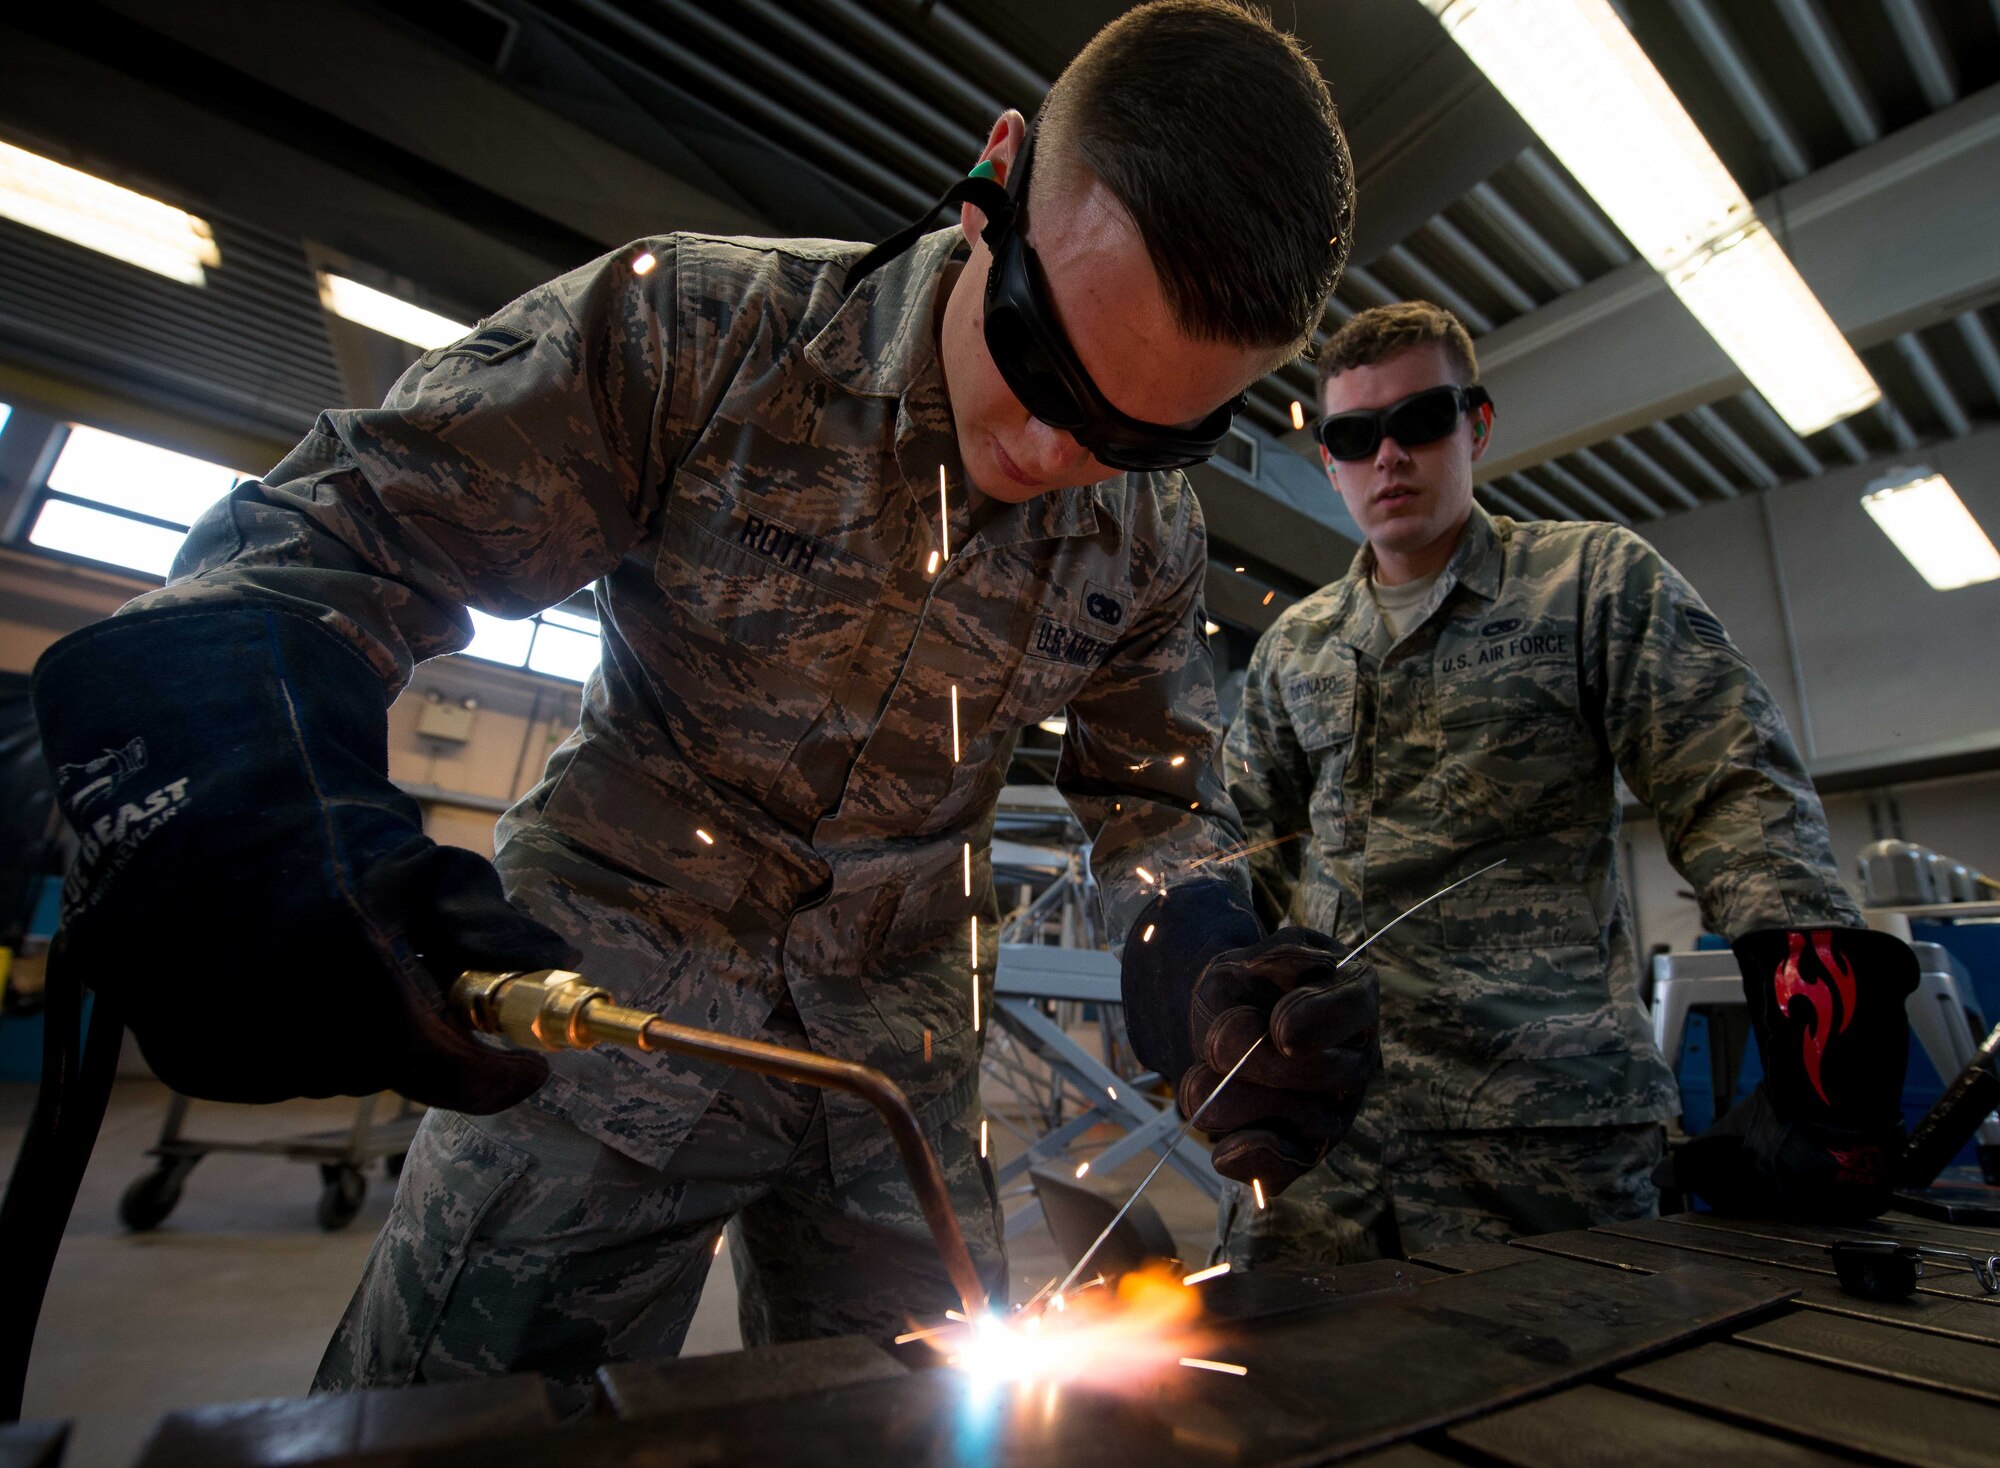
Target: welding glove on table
[[1206, 985], [252, 893], [1821, 1135]]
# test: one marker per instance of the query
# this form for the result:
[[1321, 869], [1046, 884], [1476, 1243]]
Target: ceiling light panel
[[1576, 76], [103, 216]]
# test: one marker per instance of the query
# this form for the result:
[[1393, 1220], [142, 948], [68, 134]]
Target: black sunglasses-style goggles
[[1029, 348], [1422, 417]]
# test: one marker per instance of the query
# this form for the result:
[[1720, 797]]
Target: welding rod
[[552, 1009]]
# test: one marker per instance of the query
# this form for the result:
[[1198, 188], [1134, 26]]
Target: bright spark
[[1147, 936], [975, 973], [1267, 598], [1144, 875], [720, 1240], [982, 1136], [1113, 1091], [1057, 1303], [1257, 1187], [1082, 1168], [1241, 569], [1298, 414], [643, 263], [931, 569], [1194, 805], [954, 723], [1225, 1367], [944, 516], [706, 839], [1178, 760], [1211, 1272], [954, 1315], [968, 869]]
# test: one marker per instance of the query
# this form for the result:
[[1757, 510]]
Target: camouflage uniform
[[746, 464], [1547, 659]]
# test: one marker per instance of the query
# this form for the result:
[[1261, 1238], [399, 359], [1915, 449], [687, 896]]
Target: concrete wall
[[1885, 664]]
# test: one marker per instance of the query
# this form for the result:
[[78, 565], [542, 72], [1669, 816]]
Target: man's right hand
[[252, 893], [1298, 1094], [1202, 986]]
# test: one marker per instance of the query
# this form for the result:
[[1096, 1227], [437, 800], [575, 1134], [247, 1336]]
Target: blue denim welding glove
[[252, 893]]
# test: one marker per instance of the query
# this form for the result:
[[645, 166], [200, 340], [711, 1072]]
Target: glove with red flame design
[[1821, 1134]]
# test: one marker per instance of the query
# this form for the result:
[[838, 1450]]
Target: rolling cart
[[342, 1157]]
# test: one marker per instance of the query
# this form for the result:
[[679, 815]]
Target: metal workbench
[[1683, 1340]]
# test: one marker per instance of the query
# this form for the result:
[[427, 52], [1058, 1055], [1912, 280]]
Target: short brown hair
[[1218, 135], [1381, 332]]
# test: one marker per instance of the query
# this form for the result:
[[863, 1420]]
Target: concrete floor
[[234, 1296]]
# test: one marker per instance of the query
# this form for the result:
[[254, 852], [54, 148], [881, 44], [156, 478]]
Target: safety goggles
[[1422, 417], [1028, 347]]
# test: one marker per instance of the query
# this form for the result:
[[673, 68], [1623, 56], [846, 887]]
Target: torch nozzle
[[553, 1009]]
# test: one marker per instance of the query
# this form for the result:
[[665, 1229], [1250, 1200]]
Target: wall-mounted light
[[103, 216], [1576, 76], [1920, 511]]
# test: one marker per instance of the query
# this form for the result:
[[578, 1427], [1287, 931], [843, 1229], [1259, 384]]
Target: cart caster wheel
[[341, 1198], [146, 1203], [392, 1165]]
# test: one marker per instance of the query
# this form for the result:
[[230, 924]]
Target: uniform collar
[[1475, 565], [881, 343], [881, 338]]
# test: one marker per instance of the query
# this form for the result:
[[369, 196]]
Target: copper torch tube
[[551, 1009]]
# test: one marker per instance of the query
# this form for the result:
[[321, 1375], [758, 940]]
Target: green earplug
[[984, 169]]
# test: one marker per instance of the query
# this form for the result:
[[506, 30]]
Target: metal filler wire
[[1189, 1125]]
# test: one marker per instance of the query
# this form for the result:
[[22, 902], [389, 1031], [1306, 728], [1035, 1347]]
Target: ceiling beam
[[1622, 352]]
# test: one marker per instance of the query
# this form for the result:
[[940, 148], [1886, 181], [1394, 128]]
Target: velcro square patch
[[490, 344]]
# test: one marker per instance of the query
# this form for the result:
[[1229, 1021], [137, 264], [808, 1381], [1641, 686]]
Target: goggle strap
[[982, 193]]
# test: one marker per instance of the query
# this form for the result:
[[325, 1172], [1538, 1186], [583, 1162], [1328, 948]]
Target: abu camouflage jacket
[[1547, 658], [762, 797]]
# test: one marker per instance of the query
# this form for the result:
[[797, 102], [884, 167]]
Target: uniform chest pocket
[[1320, 702], [1516, 756], [740, 575]]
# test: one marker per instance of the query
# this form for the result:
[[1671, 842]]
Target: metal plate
[[1258, 1294], [1815, 1291], [1918, 1357], [1904, 1424], [32, 1444], [336, 1427], [1594, 1427], [638, 1389], [1471, 1258]]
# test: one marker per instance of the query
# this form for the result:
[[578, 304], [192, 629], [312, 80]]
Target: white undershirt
[[1398, 604]]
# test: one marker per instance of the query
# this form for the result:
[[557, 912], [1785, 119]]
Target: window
[[561, 642], [121, 502]]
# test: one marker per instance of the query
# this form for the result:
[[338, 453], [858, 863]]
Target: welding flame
[[1117, 1338]]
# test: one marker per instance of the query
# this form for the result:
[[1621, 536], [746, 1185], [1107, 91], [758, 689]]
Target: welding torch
[[553, 1009]]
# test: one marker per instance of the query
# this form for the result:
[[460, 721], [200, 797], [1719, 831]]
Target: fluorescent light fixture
[[6, 412], [1576, 76], [100, 535], [390, 315], [100, 215], [1923, 515], [1056, 725], [129, 475]]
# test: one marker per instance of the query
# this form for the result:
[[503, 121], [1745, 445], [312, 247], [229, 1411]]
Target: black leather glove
[[252, 893], [1820, 1136], [1299, 1093]]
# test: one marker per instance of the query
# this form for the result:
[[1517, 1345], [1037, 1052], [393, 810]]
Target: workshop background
[[449, 154]]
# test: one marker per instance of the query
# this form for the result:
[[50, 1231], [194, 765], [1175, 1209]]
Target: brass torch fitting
[[553, 1009]]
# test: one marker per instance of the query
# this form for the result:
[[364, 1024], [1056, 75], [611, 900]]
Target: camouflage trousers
[[519, 1243], [1389, 1195]]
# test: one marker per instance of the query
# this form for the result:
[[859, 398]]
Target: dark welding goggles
[[1029, 348], [1422, 417]]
